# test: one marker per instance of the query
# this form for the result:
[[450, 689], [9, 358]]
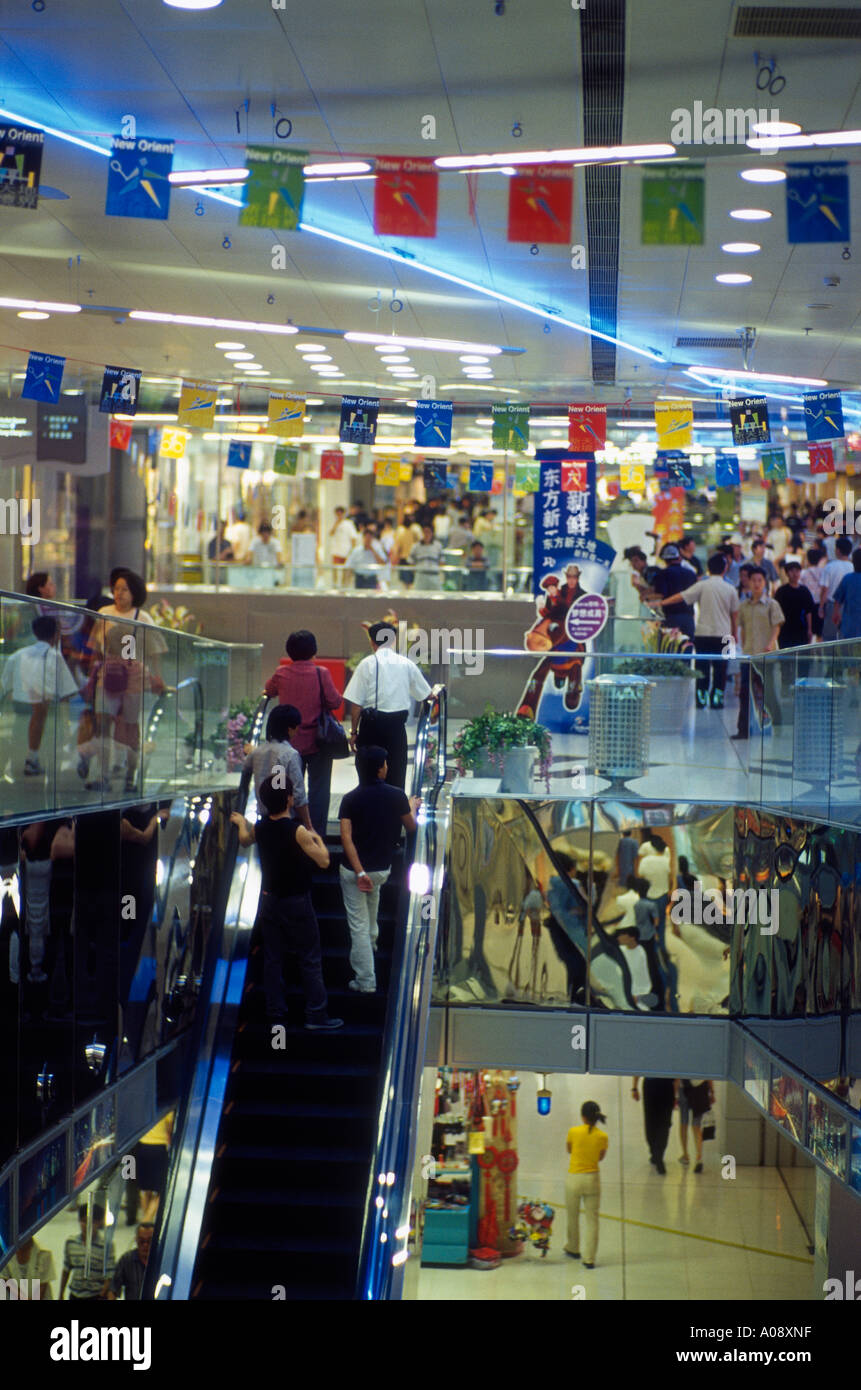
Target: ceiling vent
[[724, 343], [801, 22]]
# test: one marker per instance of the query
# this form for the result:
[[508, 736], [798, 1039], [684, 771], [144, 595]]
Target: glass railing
[[97, 711], [388, 1222]]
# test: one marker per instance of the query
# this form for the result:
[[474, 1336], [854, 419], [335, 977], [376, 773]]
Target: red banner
[[575, 477], [539, 205], [120, 434], [821, 458], [587, 427], [668, 514], [405, 197], [332, 464]]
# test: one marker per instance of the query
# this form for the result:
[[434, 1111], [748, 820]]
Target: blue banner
[[823, 415], [726, 470], [435, 474], [120, 390], [679, 471], [238, 454], [480, 476], [138, 178], [44, 377], [817, 203], [433, 424]]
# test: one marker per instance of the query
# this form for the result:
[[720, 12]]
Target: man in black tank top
[[286, 916]]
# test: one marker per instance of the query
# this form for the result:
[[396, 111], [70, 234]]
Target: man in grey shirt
[[278, 752], [830, 576], [715, 631]]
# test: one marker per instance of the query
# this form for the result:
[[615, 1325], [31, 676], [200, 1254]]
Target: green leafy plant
[[653, 666], [489, 735], [179, 619]]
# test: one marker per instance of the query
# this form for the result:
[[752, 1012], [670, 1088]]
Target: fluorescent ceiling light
[[472, 357], [822, 140], [343, 178], [394, 358], [197, 321], [227, 346], [750, 214], [597, 154], [432, 344], [50, 130], [215, 178], [556, 319], [309, 347], [317, 357], [32, 314], [741, 248], [44, 305], [192, 4], [776, 128], [341, 168], [733, 279], [240, 356], [731, 374], [763, 175]]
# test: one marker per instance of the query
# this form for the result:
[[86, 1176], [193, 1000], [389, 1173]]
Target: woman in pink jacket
[[310, 688]]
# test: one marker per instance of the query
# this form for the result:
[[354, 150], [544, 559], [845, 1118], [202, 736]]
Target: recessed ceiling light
[[750, 214], [192, 4], [733, 279], [228, 347], [763, 175], [346, 166], [471, 357], [741, 248], [321, 367], [432, 344], [393, 357], [240, 356], [317, 357], [309, 347], [775, 128], [32, 314]]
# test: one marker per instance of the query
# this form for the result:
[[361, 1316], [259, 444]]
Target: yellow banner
[[286, 413], [197, 405], [632, 477], [173, 442], [406, 472], [674, 422], [387, 469]]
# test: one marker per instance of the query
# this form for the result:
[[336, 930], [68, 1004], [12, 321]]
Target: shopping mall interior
[[576, 333]]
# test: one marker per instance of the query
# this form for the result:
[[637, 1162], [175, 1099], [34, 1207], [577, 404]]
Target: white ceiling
[[358, 78]]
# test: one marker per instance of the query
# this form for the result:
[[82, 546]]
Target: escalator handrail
[[203, 1090], [406, 1028]]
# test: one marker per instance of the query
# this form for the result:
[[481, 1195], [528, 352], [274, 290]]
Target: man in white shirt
[[368, 561], [425, 558], [37, 676], [264, 550], [830, 577], [381, 691], [654, 867], [715, 631], [343, 536]]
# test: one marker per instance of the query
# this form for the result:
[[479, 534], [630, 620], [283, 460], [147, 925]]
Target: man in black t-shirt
[[285, 915], [671, 581], [798, 607], [371, 817]]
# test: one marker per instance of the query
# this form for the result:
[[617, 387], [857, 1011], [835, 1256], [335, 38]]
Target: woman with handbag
[[128, 664], [695, 1099], [310, 688]]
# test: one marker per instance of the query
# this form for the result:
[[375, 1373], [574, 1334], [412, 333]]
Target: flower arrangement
[[488, 736], [231, 734], [179, 619], [662, 643]]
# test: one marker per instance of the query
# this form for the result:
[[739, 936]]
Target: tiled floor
[[683, 1236]]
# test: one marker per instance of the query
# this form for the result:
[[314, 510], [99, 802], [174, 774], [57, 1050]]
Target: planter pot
[[673, 705], [517, 769]]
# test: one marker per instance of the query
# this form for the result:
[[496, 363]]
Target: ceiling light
[[240, 356], [402, 371], [393, 357], [432, 344], [198, 321], [192, 4], [763, 175], [484, 290], [343, 178], [471, 357], [342, 168], [822, 140], [750, 214], [227, 346], [775, 128], [32, 314], [320, 367], [741, 248], [193, 178], [45, 305], [595, 155], [733, 279], [732, 374], [309, 347], [317, 357], [260, 372]]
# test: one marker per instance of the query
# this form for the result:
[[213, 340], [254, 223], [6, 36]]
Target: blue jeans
[[319, 767]]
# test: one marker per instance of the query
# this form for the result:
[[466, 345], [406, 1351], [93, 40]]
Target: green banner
[[527, 477], [511, 427], [275, 187], [673, 206], [286, 460]]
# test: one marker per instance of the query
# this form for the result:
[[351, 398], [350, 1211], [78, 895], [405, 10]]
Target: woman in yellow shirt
[[587, 1145]]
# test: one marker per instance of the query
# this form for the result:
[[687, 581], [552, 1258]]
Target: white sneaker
[[359, 989]]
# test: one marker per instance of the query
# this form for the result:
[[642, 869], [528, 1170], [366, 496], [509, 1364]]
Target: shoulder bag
[[369, 727], [115, 675], [331, 736]]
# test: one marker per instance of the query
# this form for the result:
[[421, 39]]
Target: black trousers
[[288, 926], [387, 731], [658, 1099], [710, 672]]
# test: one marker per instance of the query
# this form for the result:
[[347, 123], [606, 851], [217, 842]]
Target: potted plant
[[504, 745], [667, 663]]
